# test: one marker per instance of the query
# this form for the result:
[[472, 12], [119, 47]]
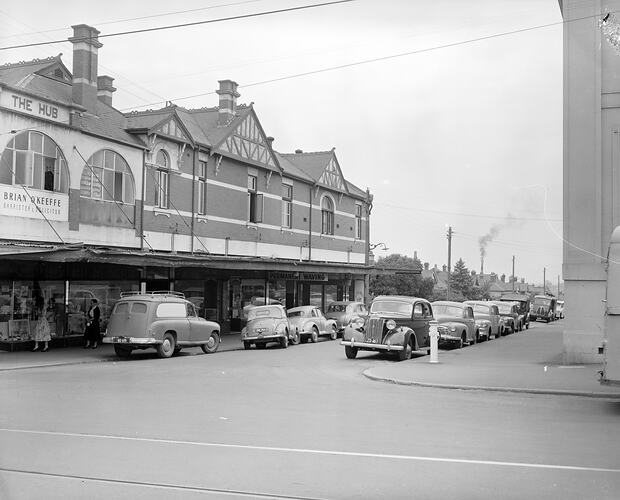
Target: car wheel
[[260, 345], [527, 325], [351, 352], [284, 342], [295, 339], [405, 354], [461, 341], [476, 338], [166, 348], [212, 344], [314, 336], [246, 345], [122, 351], [334, 334]]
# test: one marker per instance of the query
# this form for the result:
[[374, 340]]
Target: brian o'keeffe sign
[[33, 203]]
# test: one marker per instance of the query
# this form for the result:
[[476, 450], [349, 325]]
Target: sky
[[450, 112]]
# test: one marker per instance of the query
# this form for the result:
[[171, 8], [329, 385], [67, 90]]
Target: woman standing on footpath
[[42, 332], [92, 325]]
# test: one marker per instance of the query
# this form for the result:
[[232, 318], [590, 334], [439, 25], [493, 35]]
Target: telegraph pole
[[513, 273], [544, 281], [449, 260]]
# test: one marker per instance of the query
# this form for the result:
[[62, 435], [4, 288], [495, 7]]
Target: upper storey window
[[327, 216], [358, 221], [34, 160], [255, 200], [287, 205], [163, 179], [107, 176]]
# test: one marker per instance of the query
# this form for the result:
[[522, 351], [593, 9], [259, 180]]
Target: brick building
[[94, 202]]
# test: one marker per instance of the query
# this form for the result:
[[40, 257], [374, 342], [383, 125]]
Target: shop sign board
[[283, 275], [33, 106], [33, 203], [313, 276]]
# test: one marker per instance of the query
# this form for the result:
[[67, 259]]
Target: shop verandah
[[59, 282]]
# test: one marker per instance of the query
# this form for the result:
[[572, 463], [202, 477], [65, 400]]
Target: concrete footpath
[[528, 362], [75, 355]]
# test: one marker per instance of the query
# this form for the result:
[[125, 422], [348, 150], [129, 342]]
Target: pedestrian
[[42, 332], [91, 334]]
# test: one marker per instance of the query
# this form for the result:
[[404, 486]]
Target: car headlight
[[453, 328], [390, 324], [358, 323]]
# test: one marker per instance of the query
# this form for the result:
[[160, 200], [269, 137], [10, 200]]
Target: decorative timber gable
[[172, 128], [248, 142], [332, 177]]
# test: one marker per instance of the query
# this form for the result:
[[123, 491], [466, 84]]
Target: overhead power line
[[118, 21], [382, 58], [184, 25]]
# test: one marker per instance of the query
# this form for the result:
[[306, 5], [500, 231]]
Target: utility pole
[[449, 260], [544, 281], [513, 273], [558, 286]]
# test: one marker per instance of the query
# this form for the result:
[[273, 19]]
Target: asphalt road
[[297, 423]]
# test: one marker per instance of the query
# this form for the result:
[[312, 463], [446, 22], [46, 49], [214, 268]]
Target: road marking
[[318, 452], [218, 491]]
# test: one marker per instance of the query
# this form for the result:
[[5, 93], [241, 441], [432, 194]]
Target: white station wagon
[[164, 321]]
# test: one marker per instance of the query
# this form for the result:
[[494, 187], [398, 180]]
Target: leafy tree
[[461, 282], [400, 284]]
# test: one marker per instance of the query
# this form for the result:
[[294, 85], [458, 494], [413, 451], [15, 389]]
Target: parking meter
[[434, 333]]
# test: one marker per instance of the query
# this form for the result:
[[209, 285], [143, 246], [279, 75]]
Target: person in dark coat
[[92, 325]]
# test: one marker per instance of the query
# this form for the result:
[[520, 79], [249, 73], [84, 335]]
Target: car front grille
[[374, 330]]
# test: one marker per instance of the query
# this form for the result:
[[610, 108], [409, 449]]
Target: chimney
[[85, 46], [270, 141], [415, 255], [481, 266], [228, 102], [444, 268], [426, 266], [105, 89]]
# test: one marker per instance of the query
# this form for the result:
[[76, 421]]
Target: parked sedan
[[344, 313], [509, 312], [309, 323], [457, 326], [487, 317], [397, 324], [267, 324]]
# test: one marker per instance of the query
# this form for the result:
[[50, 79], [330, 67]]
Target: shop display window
[[23, 303], [331, 294], [106, 293]]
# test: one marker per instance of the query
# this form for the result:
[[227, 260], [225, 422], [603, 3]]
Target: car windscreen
[[505, 308], [447, 310], [264, 312], [480, 309], [332, 308], [542, 301], [391, 307], [297, 314]]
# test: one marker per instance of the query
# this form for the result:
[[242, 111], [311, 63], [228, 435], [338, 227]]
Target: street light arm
[[372, 246]]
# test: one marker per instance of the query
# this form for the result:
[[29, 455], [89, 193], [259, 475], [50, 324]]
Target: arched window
[[107, 176], [34, 160], [163, 178], [327, 216]]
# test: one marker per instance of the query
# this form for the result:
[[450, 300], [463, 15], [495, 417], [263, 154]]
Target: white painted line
[[320, 452]]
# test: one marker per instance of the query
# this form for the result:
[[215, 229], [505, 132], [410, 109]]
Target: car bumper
[[370, 346], [259, 337], [445, 338], [130, 340]]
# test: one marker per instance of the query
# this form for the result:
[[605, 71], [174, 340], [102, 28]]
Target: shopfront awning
[[84, 254]]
